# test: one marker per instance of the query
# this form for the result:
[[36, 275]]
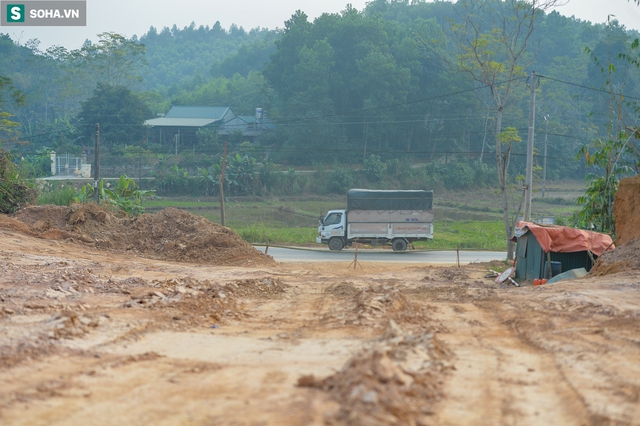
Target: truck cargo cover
[[368, 199]]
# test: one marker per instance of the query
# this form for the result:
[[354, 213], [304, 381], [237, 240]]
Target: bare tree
[[493, 44]]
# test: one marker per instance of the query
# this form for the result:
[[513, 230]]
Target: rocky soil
[[170, 319]]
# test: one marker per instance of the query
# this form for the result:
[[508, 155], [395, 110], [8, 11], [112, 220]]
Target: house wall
[[166, 136]]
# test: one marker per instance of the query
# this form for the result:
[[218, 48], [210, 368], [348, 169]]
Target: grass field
[[468, 220]]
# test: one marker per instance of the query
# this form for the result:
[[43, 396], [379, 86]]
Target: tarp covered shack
[[566, 248]]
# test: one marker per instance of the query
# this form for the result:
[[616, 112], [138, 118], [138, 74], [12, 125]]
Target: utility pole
[[529, 176], [96, 167], [544, 161], [224, 166]]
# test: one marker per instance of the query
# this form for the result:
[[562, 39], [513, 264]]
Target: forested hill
[[192, 54], [397, 79]]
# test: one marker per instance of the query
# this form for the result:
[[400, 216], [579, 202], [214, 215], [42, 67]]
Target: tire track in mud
[[499, 380], [577, 331]]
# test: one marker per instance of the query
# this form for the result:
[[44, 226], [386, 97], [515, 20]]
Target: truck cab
[[332, 229]]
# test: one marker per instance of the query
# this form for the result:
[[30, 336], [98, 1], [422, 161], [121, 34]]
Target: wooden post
[[355, 262], [458, 255], [224, 166]]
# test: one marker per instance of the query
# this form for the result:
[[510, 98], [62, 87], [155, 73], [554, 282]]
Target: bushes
[[125, 195], [340, 181], [374, 168], [60, 194], [244, 176], [461, 175], [14, 192]]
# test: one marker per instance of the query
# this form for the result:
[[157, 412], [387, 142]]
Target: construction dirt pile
[[170, 234], [626, 209]]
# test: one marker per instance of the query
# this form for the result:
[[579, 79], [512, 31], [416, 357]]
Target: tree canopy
[[120, 113]]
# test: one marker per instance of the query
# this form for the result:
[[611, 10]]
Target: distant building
[[251, 127], [178, 127]]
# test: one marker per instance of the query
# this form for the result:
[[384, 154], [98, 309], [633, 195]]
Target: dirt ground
[[172, 320]]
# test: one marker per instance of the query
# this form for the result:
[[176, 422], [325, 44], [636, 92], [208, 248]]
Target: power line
[[589, 88], [446, 95]]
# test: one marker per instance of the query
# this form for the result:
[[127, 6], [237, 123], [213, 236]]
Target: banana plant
[[125, 195]]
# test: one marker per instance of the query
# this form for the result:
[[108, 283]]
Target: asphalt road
[[281, 254]]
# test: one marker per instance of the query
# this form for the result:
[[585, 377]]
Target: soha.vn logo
[[15, 13]]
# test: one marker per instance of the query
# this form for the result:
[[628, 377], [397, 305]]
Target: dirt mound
[[170, 234], [13, 224], [202, 302], [622, 259], [265, 288], [397, 380], [345, 289], [370, 306], [194, 302], [453, 274], [67, 324], [626, 209]]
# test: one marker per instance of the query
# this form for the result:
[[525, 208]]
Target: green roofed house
[[178, 127]]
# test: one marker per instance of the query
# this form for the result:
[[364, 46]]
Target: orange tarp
[[560, 239]]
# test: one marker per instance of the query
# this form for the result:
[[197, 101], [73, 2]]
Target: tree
[[114, 60], [8, 127], [615, 155], [120, 113], [493, 45]]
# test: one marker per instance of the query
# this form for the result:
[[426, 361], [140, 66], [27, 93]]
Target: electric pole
[[529, 176], [224, 166], [544, 160], [96, 167]]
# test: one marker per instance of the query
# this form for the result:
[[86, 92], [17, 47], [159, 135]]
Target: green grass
[[469, 220], [260, 234], [60, 196], [467, 235]]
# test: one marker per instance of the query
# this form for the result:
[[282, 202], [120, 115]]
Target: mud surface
[[108, 321]]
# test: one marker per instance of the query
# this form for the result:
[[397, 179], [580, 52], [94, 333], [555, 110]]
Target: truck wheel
[[399, 244], [336, 243]]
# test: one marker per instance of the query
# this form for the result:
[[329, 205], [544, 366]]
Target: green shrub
[[125, 195], [14, 191], [57, 194], [340, 181], [485, 176], [374, 168], [458, 176], [35, 165]]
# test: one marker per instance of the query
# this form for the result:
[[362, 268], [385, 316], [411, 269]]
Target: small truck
[[379, 217]]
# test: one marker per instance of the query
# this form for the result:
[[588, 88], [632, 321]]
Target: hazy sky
[[129, 17]]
